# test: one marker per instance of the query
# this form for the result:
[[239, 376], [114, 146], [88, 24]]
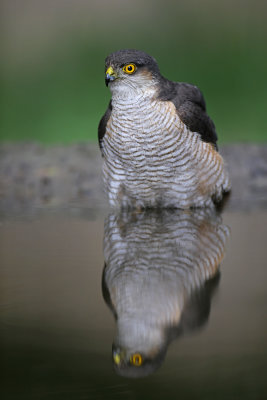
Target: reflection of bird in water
[[157, 265]]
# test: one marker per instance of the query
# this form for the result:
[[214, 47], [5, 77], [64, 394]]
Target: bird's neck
[[129, 94]]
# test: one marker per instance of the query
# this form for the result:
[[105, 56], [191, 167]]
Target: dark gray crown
[[138, 57]]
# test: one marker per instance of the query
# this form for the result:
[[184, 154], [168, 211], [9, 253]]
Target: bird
[[159, 145], [161, 270]]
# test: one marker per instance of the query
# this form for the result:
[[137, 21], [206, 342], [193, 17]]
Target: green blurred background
[[52, 69]]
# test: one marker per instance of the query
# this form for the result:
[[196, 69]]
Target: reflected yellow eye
[[129, 68], [136, 359]]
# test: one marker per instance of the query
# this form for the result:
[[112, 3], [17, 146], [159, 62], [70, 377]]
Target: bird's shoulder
[[190, 107], [103, 124]]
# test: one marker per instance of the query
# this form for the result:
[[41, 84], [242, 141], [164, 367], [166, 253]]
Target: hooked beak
[[118, 356], [110, 75]]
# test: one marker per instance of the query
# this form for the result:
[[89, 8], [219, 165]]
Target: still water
[[132, 306]]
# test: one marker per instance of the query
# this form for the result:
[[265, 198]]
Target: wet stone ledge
[[51, 177]]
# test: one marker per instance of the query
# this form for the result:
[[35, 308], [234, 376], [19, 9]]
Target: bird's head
[[128, 70], [136, 364], [139, 345]]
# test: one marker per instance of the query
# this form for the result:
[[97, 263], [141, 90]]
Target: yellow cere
[[136, 359], [116, 359], [129, 68], [110, 71]]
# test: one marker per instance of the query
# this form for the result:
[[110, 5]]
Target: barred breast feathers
[[146, 142], [155, 262], [158, 143]]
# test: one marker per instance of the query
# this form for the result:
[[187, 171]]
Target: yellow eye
[[129, 68], [136, 359]]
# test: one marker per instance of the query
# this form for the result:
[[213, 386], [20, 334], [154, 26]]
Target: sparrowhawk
[[158, 266], [157, 141]]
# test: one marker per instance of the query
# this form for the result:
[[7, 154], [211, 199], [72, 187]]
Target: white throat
[[123, 90]]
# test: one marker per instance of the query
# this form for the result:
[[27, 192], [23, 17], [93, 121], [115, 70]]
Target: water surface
[[58, 320]]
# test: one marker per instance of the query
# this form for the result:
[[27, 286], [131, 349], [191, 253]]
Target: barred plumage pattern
[[154, 262], [152, 159]]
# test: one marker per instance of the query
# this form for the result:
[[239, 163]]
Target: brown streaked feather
[[204, 185]]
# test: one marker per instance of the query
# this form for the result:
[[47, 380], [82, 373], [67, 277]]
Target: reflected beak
[[110, 75], [118, 356]]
